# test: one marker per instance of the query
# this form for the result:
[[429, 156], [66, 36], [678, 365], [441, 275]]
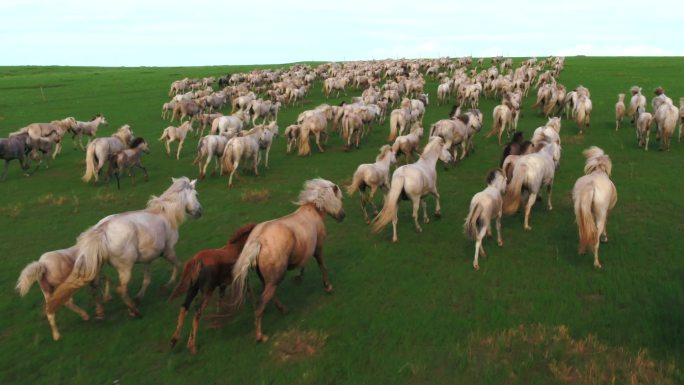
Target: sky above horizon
[[213, 32]]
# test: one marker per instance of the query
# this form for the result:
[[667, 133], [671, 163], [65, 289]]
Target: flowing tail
[[497, 124], [228, 158], [31, 273], [470, 225], [356, 183], [389, 209], [512, 197], [585, 219], [191, 271], [304, 147], [394, 128], [580, 115], [90, 164], [248, 258], [201, 151], [92, 246], [165, 135], [15, 133], [432, 130]]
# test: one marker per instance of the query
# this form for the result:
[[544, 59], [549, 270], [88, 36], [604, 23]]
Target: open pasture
[[414, 312]]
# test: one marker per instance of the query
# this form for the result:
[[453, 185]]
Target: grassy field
[[413, 312]]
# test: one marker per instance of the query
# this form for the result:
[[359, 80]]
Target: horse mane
[[517, 137], [169, 198], [312, 193], [492, 175], [453, 110], [597, 160], [525, 146], [659, 91], [137, 141], [635, 90], [95, 117], [464, 118], [383, 152], [432, 142], [242, 232]]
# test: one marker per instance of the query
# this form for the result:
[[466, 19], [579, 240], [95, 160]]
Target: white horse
[[484, 206], [409, 143], [666, 117], [414, 181], [532, 171], [172, 134], [43, 130], [583, 112], [238, 148], [314, 124], [210, 147], [400, 119], [292, 135], [373, 175], [100, 149], [643, 127], [87, 128], [228, 126], [637, 100], [122, 240], [594, 195]]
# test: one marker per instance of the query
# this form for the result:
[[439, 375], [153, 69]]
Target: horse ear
[[193, 182], [173, 180]]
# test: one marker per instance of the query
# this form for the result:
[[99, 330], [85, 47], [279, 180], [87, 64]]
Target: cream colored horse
[[100, 149], [122, 240], [41, 130], [414, 181], [400, 120], [408, 144], [666, 117], [288, 243], [594, 196], [210, 147], [454, 132], [643, 127], [88, 129], [532, 172], [238, 148], [583, 113], [172, 134], [485, 206], [373, 175], [50, 270], [619, 111], [637, 100], [314, 124]]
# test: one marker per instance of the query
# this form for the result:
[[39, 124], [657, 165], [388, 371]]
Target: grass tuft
[[256, 196], [294, 345]]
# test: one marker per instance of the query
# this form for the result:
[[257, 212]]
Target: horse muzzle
[[197, 213], [340, 216]]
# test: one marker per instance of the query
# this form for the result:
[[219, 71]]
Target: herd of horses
[[273, 247]]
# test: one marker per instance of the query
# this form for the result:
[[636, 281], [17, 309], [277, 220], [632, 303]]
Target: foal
[[205, 271], [127, 159]]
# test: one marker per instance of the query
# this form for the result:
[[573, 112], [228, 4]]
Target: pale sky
[[211, 32]]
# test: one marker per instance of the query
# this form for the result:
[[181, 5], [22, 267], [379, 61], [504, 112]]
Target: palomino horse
[[266, 134], [287, 243], [99, 150], [205, 271], [122, 240], [209, 147], [484, 206], [50, 270], [407, 144], [414, 181], [314, 124], [88, 129], [372, 175], [172, 134], [531, 172], [643, 126], [38, 130], [238, 148], [594, 195], [127, 159]]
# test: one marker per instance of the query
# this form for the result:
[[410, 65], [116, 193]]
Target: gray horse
[[15, 147]]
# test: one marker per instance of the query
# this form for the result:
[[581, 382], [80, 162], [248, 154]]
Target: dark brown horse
[[205, 271]]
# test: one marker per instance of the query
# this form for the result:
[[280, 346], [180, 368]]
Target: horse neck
[[310, 210], [120, 136], [384, 162], [429, 158], [175, 216]]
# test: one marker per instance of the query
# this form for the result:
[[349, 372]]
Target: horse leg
[[53, 326], [318, 254], [58, 149], [145, 283], [464, 149], [230, 178], [73, 307], [180, 145], [4, 174], [499, 239], [373, 190], [268, 149], [266, 295], [122, 290], [548, 193], [318, 141], [478, 248], [438, 208], [423, 203], [167, 145], [530, 202], [395, 220], [195, 321], [94, 288], [279, 305], [363, 206], [416, 205], [601, 229], [189, 297], [170, 256]]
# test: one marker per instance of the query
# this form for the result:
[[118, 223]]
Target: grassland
[[413, 312]]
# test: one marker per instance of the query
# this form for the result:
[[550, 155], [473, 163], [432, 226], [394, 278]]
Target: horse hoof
[[173, 341], [476, 267], [438, 214], [527, 228], [500, 243], [56, 337], [85, 317], [262, 338], [329, 289], [135, 313], [597, 265]]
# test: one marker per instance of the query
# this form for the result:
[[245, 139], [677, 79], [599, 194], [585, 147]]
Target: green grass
[[401, 313]]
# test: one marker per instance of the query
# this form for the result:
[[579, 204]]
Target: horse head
[[325, 195], [189, 195]]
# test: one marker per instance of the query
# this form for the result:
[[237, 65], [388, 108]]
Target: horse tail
[[31, 273], [165, 135], [432, 129], [19, 132], [357, 180], [394, 127], [389, 209], [228, 157], [512, 197], [92, 246], [201, 149], [580, 114], [470, 225], [585, 218], [497, 123], [304, 147], [248, 258], [90, 163], [191, 271]]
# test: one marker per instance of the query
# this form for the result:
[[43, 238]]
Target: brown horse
[[287, 243], [205, 271]]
